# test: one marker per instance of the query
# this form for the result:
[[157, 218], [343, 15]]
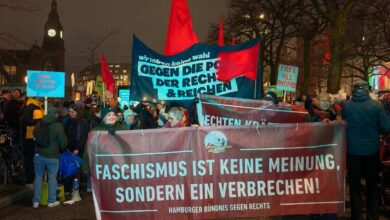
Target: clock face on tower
[[51, 32], [61, 34]]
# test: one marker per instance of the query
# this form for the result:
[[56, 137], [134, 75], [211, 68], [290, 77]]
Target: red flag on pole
[[107, 75], [220, 33], [240, 63], [180, 35]]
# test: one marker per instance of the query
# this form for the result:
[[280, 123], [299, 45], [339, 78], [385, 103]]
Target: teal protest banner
[[45, 84]]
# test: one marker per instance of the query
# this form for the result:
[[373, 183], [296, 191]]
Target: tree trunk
[[336, 60], [274, 73], [306, 65]]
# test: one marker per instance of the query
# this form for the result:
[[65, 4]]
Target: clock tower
[[53, 42]]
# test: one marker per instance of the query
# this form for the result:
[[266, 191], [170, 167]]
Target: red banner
[[221, 111], [225, 172]]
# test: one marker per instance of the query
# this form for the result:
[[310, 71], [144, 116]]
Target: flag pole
[[259, 77], [104, 96]]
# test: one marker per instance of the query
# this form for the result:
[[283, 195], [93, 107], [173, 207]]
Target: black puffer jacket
[[145, 117], [366, 119], [77, 133]]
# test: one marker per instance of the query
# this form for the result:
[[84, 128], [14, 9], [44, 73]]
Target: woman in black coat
[[76, 130]]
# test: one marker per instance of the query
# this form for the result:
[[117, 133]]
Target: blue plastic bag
[[69, 164]]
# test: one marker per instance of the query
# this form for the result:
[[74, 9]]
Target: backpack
[[41, 135]]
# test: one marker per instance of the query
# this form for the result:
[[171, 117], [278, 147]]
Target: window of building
[[3, 80], [11, 70]]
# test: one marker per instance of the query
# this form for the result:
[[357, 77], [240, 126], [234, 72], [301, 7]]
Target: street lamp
[[261, 16]]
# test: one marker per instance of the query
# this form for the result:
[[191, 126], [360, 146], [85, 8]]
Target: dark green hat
[[105, 111]]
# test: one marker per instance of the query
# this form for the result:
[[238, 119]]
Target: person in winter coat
[[12, 109], [46, 156], [131, 122], [76, 130], [32, 114], [110, 124], [144, 116], [366, 120], [94, 118], [175, 118]]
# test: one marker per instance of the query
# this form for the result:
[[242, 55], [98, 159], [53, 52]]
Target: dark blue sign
[[181, 77], [45, 84]]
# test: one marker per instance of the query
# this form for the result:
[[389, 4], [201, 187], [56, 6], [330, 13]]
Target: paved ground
[[84, 210], [23, 210]]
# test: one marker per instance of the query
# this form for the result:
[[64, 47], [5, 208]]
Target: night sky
[[148, 19]]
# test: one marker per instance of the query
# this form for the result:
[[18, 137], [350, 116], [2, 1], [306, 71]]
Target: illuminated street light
[[261, 16]]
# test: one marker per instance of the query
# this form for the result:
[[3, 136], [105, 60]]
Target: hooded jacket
[[32, 114], [366, 119], [57, 138]]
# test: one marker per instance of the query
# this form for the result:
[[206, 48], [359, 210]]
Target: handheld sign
[[287, 77], [45, 84], [124, 95]]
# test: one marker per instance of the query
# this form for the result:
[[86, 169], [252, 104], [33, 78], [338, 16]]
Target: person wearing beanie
[[130, 120], [109, 123], [271, 96], [366, 120], [47, 155]]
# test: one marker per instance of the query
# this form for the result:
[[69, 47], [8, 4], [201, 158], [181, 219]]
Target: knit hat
[[271, 96], [105, 111], [51, 110], [128, 112], [361, 87]]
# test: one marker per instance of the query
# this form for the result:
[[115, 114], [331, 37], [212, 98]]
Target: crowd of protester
[[75, 119]]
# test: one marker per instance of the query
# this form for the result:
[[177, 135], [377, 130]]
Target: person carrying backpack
[[49, 138]]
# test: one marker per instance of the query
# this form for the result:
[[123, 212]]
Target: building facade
[[89, 79], [50, 56]]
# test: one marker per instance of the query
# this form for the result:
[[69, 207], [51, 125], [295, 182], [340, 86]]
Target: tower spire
[[53, 43], [54, 5]]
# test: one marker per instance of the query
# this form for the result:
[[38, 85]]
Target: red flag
[[240, 63], [233, 40], [180, 35], [220, 33], [107, 76]]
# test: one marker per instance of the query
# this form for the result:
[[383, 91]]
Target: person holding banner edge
[[109, 123]]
